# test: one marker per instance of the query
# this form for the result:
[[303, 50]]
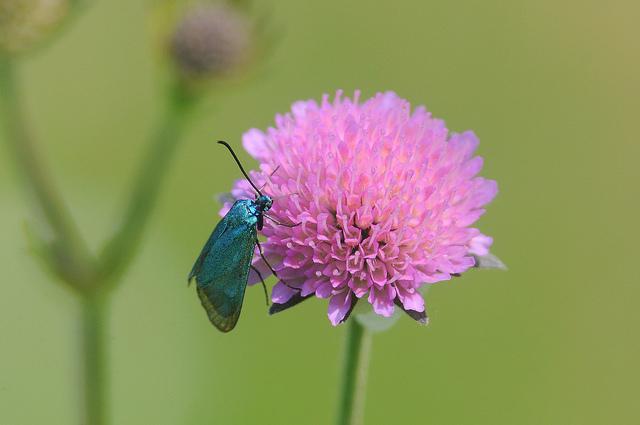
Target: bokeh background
[[551, 88]]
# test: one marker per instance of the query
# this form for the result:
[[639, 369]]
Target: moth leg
[[270, 175], [266, 296], [281, 223], [271, 268]]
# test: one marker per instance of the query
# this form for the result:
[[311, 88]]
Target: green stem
[[357, 350], [69, 251], [120, 250], [94, 355], [68, 255]]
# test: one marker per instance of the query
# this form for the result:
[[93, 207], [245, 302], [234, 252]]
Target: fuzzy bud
[[211, 39], [24, 23]]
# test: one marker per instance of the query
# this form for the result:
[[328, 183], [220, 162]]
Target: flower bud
[[211, 39], [25, 23]]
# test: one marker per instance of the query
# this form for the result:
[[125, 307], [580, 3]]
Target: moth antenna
[[222, 142]]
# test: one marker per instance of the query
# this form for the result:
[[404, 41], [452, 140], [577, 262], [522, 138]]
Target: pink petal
[[480, 245], [339, 306], [254, 141], [381, 301], [281, 293]]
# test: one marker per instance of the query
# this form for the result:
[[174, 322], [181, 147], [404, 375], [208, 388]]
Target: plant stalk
[[69, 249], [95, 359], [355, 369], [120, 250]]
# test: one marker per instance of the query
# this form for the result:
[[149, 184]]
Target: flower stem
[[357, 350], [94, 355], [69, 250], [120, 250], [68, 254]]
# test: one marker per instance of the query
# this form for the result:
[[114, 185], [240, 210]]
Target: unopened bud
[[24, 23], [211, 39]]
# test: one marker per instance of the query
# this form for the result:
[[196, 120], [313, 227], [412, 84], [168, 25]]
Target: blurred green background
[[551, 88]]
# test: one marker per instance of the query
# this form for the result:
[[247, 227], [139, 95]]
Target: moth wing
[[215, 236], [221, 273]]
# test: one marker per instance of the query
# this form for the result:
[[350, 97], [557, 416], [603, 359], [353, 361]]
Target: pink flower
[[384, 196]]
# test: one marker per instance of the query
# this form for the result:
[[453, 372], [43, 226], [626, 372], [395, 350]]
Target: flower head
[[384, 196]]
